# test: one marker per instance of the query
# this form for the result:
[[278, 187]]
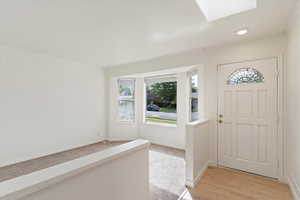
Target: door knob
[[220, 121]]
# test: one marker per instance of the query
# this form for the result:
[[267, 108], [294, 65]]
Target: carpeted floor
[[30, 166], [167, 173], [167, 168]]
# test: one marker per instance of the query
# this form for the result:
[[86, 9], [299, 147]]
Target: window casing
[[194, 96], [126, 100]]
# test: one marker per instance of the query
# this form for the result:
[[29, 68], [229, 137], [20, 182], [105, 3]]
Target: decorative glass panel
[[245, 75]]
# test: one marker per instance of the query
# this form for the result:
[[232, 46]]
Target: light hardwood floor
[[227, 184]]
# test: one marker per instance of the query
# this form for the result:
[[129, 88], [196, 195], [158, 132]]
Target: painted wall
[[272, 46], [293, 101], [196, 151], [105, 182], [95, 176], [47, 104]]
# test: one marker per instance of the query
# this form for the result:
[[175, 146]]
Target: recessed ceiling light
[[242, 32], [216, 9]]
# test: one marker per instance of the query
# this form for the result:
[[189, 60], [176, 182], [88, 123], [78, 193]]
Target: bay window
[[161, 100], [126, 100], [194, 92]]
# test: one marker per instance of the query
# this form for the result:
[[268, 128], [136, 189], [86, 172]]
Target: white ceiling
[[111, 32]]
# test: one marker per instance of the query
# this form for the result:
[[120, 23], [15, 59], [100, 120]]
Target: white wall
[[196, 151], [47, 104], [272, 46], [119, 131], [95, 176], [293, 101]]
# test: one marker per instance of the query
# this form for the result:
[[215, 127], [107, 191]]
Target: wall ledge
[[24, 185], [198, 122]]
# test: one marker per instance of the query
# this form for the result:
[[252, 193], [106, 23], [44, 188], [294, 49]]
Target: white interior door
[[247, 116]]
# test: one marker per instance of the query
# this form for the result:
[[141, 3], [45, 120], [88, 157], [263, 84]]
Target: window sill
[[160, 124], [198, 122]]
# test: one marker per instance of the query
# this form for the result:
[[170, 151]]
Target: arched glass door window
[[245, 75]]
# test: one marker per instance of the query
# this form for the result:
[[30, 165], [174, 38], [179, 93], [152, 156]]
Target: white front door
[[247, 116]]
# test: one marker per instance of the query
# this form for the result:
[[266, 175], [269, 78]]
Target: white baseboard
[[294, 188], [121, 140], [212, 163], [38, 155], [283, 179], [193, 183]]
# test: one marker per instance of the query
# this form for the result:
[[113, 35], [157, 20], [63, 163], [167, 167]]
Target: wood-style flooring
[[227, 184]]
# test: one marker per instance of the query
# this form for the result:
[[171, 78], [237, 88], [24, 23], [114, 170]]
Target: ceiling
[[112, 32]]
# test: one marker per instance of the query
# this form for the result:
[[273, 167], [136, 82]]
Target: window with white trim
[[161, 100], [126, 99], [194, 96]]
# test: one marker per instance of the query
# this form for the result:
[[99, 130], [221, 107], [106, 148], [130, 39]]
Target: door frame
[[281, 133]]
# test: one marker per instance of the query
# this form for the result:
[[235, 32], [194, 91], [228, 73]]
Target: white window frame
[[126, 98], [190, 74], [162, 78]]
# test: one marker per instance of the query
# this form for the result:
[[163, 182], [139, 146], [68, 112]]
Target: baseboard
[[119, 140], [38, 155], [193, 183], [200, 174], [212, 163], [294, 188], [125, 139], [283, 179]]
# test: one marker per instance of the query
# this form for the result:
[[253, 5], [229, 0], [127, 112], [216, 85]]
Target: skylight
[[216, 9]]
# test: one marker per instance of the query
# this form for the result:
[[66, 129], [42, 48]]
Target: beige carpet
[[167, 173], [30, 166]]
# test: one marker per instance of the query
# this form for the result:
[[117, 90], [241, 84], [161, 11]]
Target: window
[[194, 91], [161, 100], [126, 100], [245, 75]]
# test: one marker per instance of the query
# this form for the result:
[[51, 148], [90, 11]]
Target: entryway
[[247, 116], [228, 184]]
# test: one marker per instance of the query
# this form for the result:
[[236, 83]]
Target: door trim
[[281, 132]]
